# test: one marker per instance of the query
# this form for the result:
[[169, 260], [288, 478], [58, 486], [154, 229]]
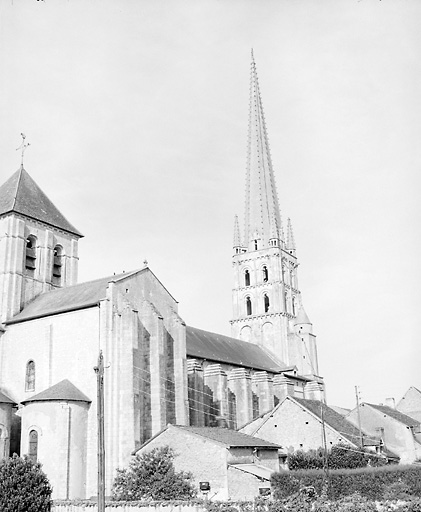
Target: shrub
[[370, 482], [152, 476], [23, 486]]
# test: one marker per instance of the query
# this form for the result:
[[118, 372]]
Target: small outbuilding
[[236, 466]]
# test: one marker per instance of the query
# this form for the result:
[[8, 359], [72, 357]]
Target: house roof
[[20, 194], [4, 399], [229, 437], [335, 420], [63, 390], [70, 298], [395, 414], [216, 347]]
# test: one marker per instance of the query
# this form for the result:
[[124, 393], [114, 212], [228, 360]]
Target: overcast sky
[[136, 112]]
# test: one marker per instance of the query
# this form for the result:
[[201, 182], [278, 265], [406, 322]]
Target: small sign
[[204, 486]]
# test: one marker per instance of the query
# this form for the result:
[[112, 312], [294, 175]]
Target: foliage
[[341, 456], [152, 476], [370, 482], [23, 486]]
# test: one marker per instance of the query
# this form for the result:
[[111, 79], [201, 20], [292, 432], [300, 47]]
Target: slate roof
[[229, 437], [63, 390], [70, 298], [4, 399], [219, 348], [395, 414], [334, 420], [20, 194]]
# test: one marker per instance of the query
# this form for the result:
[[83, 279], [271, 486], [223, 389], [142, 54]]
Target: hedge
[[371, 483]]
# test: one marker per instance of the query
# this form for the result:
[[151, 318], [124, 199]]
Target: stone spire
[[237, 237], [290, 238], [262, 208]]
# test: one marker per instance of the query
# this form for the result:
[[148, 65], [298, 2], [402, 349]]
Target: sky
[[136, 112]]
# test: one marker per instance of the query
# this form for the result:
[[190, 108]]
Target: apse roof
[[70, 298], [4, 399], [20, 194], [63, 390], [216, 347]]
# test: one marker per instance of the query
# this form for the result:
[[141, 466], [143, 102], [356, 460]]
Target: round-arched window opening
[[30, 256]]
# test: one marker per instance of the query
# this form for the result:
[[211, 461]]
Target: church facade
[[158, 370]]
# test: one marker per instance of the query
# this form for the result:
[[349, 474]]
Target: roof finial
[[23, 147]]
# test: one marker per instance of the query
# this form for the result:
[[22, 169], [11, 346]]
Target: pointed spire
[[261, 196], [290, 238], [237, 237]]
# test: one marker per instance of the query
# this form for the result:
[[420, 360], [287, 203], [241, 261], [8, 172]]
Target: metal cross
[[23, 146]]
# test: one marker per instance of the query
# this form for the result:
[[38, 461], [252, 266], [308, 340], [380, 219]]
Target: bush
[[23, 486], [152, 476], [371, 483]]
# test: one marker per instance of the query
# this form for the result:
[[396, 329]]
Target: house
[[400, 433], [297, 424], [235, 465], [410, 403]]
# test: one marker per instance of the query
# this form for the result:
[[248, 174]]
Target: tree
[[152, 476], [23, 486]]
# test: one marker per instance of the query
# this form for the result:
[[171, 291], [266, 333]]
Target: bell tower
[[266, 296], [38, 245]]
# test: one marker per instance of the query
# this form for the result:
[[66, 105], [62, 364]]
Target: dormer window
[[247, 278], [57, 263], [30, 260]]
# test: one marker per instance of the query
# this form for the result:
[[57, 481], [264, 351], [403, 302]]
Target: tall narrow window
[[247, 278], [286, 302], [266, 302], [57, 263], [255, 245], [30, 376], [30, 253], [265, 274], [294, 306], [33, 445], [248, 306]]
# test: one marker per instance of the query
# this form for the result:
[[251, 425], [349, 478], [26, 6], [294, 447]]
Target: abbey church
[[160, 370]]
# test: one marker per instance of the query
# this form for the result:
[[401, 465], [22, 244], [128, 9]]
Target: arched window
[[286, 301], [294, 306], [265, 274], [248, 306], [292, 279], [31, 256], [30, 376], [57, 263], [33, 445], [247, 278], [266, 302]]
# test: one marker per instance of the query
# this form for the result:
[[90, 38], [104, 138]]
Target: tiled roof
[[393, 413], [219, 348], [229, 437], [4, 399], [334, 420], [64, 390], [70, 298], [20, 194]]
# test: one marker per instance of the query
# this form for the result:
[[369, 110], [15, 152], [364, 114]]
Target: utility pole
[[325, 454], [99, 370], [359, 417]]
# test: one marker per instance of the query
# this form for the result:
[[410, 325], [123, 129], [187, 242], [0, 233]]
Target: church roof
[[395, 414], [302, 317], [63, 390], [20, 194], [4, 399], [219, 348], [70, 298]]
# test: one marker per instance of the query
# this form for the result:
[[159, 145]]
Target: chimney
[[390, 402]]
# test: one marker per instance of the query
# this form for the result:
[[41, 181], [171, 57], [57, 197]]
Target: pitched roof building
[[159, 371]]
